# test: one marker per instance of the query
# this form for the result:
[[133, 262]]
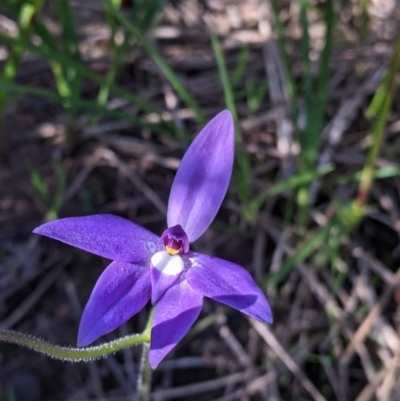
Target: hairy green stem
[[144, 378], [73, 354]]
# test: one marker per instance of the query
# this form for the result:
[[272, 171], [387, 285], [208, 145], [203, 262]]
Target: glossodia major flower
[[163, 269]]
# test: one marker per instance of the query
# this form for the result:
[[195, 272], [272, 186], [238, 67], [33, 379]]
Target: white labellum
[[171, 265]]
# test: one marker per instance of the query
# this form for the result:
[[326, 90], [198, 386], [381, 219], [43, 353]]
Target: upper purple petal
[[121, 291], [105, 235], [228, 283], [203, 177], [175, 313]]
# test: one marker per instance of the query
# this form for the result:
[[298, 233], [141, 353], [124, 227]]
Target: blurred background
[[98, 102]]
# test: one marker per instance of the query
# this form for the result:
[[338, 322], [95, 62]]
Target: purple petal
[[105, 235], [121, 291], [175, 313], [228, 283], [203, 177]]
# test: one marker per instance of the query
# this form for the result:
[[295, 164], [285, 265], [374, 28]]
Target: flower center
[[175, 240], [169, 265]]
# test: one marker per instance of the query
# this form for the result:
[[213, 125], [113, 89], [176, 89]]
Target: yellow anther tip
[[171, 251]]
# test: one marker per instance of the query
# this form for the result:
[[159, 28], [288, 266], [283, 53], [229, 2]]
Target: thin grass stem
[[159, 60], [242, 172], [382, 103]]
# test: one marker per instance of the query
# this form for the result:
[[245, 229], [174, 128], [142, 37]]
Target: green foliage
[[67, 66], [50, 203], [379, 111], [308, 120], [294, 182], [158, 59], [304, 251]]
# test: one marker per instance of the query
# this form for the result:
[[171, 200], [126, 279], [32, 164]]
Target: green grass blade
[[70, 43], [39, 186], [117, 58], [290, 83], [240, 68], [26, 15], [224, 78], [304, 251], [381, 109], [86, 105], [322, 84], [144, 13], [159, 60], [379, 173], [305, 49], [68, 33], [315, 98], [299, 180], [242, 172], [61, 188], [48, 51], [255, 94]]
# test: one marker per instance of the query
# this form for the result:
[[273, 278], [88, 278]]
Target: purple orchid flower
[[164, 270]]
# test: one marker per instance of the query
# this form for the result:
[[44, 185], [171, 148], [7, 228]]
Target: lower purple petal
[[175, 313], [106, 235], [160, 283], [121, 291], [228, 283]]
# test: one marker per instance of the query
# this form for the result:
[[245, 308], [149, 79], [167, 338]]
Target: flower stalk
[[145, 373], [74, 354]]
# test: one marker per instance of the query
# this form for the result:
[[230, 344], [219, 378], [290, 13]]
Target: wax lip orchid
[[164, 270]]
